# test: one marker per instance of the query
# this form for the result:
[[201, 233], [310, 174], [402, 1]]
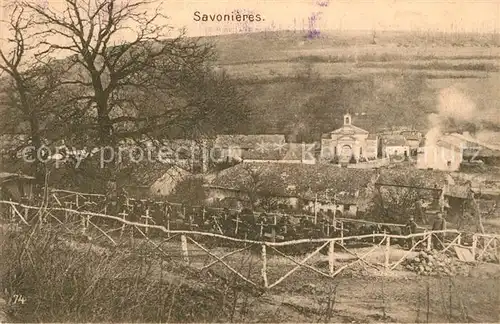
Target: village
[[337, 174]]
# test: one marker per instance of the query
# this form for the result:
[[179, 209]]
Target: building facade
[[442, 155], [395, 145], [347, 142]]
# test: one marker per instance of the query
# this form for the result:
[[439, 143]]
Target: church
[[349, 142]]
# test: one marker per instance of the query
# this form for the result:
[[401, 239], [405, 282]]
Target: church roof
[[348, 130]]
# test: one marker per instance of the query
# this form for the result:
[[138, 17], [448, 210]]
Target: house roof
[[7, 176], [300, 180], [248, 141], [413, 177], [475, 148], [456, 191], [349, 129], [412, 137], [283, 151], [167, 182], [453, 141], [395, 140]]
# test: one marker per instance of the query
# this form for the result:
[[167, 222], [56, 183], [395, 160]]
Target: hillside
[[302, 87]]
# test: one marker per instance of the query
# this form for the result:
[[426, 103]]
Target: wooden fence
[[481, 243]]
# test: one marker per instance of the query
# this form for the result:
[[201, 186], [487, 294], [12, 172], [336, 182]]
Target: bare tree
[[256, 183], [130, 79], [27, 91], [135, 80]]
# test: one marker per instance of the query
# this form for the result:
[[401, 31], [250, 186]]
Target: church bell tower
[[347, 119]]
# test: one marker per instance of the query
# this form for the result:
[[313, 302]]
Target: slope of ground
[[141, 283]]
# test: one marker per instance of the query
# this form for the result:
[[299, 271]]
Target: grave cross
[[273, 228], [123, 214], [214, 217], [69, 205], [262, 224], [237, 220], [146, 220], [129, 205]]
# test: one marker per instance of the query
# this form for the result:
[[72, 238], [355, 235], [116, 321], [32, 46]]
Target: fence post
[[429, 242], [184, 247], [13, 212], [342, 232], [331, 256], [26, 214], [495, 247], [387, 251], [76, 201], [459, 240], [474, 245], [146, 221], [84, 223], [264, 266]]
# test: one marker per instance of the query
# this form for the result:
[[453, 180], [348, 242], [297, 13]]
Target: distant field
[[280, 55], [270, 70], [345, 46]]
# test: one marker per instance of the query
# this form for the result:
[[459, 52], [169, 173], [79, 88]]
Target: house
[[395, 145], [166, 184], [475, 150], [295, 186], [231, 147], [282, 153], [445, 154], [16, 186], [413, 139], [348, 141]]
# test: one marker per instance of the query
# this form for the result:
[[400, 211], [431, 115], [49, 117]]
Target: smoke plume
[[457, 112]]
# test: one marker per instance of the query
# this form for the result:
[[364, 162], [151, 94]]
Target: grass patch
[[64, 282], [435, 65]]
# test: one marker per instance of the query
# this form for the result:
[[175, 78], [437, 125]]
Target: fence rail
[[480, 245]]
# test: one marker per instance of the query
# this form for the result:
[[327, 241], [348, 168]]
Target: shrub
[[65, 281]]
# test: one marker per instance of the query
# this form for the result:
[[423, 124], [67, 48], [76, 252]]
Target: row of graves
[[173, 216], [243, 224]]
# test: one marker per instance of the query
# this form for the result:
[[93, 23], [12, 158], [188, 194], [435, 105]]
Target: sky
[[448, 16], [437, 15], [416, 15]]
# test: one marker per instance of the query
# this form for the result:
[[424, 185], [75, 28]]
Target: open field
[[433, 69], [345, 45]]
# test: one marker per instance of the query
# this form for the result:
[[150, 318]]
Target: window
[[360, 151], [448, 163], [335, 150]]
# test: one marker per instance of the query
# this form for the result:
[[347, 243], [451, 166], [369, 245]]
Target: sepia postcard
[[278, 161]]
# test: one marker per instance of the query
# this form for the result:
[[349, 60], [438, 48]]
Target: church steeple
[[347, 119]]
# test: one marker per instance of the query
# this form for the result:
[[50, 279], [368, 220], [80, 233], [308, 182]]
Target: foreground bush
[[62, 281]]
